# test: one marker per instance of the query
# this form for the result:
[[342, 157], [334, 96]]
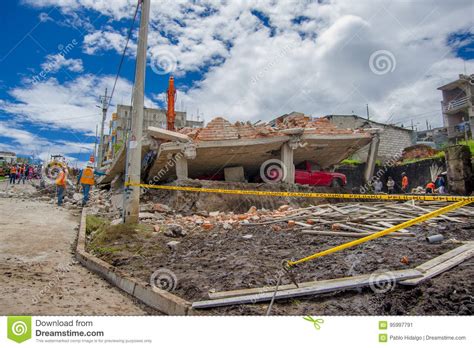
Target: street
[[38, 273]]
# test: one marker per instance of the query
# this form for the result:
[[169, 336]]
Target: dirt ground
[[225, 260], [38, 273]]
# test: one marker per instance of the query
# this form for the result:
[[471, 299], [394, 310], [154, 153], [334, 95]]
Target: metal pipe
[[434, 238]]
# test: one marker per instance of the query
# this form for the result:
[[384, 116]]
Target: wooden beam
[[319, 287], [353, 234], [442, 263]]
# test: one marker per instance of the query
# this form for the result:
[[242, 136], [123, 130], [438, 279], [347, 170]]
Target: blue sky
[[242, 60]]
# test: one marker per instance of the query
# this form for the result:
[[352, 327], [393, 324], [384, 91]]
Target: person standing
[[86, 179], [440, 184], [23, 173], [61, 182], [390, 185], [30, 173], [404, 182], [13, 174], [378, 185], [19, 173]]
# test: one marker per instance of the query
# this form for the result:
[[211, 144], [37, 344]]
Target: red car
[[308, 173]]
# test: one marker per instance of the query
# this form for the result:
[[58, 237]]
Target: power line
[[125, 49]]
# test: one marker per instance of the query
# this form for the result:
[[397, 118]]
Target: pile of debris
[[338, 220], [418, 151], [221, 129]]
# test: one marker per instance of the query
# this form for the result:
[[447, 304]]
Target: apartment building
[[457, 108]]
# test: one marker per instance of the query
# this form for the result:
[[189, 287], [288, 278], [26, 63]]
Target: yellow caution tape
[[308, 194], [376, 235]]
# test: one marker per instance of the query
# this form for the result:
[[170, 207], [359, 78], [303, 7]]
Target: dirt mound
[[418, 151]]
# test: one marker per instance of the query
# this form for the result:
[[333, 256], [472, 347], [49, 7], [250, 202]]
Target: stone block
[[234, 174]]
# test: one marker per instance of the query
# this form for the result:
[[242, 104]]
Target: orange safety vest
[[430, 185], [61, 180], [13, 170], [87, 177], [405, 181]]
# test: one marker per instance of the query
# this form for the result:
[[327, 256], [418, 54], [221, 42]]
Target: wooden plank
[[338, 210], [370, 227], [441, 216], [303, 224], [376, 212], [348, 228], [320, 287], [444, 257], [353, 234], [388, 225], [442, 267]]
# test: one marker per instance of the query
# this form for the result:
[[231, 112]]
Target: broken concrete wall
[[419, 173], [199, 201], [458, 159]]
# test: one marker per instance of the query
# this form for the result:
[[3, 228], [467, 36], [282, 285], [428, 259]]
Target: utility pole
[[95, 145], [368, 115], [131, 207], [105, 104]]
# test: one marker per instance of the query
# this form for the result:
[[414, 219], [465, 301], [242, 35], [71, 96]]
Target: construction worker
[[61, 182], [440, 184], [23, 173], [404, 182], [390, 185], [20, 171], [12, 174], [86, 179], [430, 187]]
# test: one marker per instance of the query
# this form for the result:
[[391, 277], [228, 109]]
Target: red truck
[[309, 173]]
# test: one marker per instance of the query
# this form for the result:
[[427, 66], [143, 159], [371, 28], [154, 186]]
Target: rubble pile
[[418, 151], [221, 129]]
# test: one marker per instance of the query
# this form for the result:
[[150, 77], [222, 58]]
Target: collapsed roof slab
[[117, 167], [207, 151], [213, 156]]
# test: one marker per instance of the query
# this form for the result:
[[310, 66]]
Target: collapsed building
[[236, 152]]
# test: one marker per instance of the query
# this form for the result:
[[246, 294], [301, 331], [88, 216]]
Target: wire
[[124, 50]]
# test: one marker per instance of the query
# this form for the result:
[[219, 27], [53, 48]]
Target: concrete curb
[[158, 299]]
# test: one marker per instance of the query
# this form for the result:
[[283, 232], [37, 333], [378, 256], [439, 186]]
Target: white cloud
[[70, 105], [25, 142], [308, 56], [104, 40], [55, 62]]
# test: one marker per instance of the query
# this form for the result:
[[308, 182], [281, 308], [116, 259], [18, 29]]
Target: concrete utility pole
[[105, 105], [131, 207], [95, 145]]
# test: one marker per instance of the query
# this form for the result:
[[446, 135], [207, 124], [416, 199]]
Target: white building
[[7, 157]]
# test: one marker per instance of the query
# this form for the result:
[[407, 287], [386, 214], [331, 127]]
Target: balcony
[[455, 105]]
